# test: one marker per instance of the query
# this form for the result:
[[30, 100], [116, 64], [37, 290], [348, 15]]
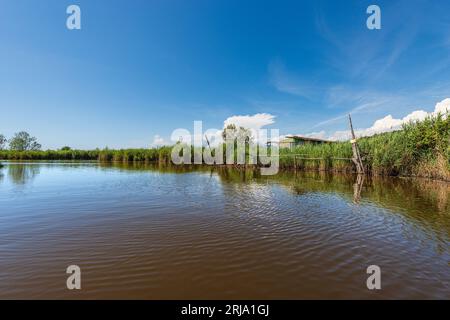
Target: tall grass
[[419, 149], [318, 157], [156, 154]]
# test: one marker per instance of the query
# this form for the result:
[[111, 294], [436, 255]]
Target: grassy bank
[[156, 154], [419, 149]]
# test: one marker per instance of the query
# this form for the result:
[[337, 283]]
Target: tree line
[[21, 141]]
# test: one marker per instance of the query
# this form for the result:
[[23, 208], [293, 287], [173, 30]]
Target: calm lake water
[[149, 232]]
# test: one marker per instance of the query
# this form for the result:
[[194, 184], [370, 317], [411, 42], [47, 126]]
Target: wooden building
[[290, 142]]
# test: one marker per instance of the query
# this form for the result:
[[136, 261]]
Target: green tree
[[2, 142], [237, 133], [66, 148], [22, 141]]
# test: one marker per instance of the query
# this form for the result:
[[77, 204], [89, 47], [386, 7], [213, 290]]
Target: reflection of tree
[[22, 173]]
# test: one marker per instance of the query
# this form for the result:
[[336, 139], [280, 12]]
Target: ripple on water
[[147, 234]]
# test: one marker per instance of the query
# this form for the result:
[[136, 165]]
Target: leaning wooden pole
[[207, 141], [356, 155]]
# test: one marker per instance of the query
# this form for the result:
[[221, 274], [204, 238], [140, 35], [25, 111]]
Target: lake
[[142, 231]]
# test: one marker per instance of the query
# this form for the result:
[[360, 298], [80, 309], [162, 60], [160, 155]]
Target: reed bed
[[419, 149]]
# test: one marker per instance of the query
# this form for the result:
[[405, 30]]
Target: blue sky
[[139, 69]]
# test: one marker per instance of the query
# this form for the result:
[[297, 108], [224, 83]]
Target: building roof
[[297, 137], [291, 138]]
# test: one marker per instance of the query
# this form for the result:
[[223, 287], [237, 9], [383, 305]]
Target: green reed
[[419, 149]]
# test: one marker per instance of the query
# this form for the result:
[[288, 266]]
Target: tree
[[22, 141], [237, 134], [66, 148], [2, 142]]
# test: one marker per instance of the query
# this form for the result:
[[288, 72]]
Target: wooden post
[[207, 141], [356, 155]]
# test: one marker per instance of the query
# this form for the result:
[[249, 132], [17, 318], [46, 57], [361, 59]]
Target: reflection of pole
[[356, 155], [357, 187]]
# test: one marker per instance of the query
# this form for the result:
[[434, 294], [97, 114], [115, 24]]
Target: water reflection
[[21, 174], [357, 187], [426, 203], [156, 231], [407, 194]]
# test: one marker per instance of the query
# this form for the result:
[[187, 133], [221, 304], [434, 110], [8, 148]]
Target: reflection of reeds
[[420, 149], [423, 202], [432, 196], [418, 195]]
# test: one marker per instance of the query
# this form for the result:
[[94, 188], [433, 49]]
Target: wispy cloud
[[367, 55], [355, 101], [287, 82], [373, 72]]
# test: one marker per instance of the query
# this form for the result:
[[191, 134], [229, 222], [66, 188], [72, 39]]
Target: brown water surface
[[150, 232]]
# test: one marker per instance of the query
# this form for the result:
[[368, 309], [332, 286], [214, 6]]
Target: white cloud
[[442, 107], [418, 115], [256, 121], [158, 141], [386, 124]]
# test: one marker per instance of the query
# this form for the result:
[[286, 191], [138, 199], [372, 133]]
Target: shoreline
[[282, 169]]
